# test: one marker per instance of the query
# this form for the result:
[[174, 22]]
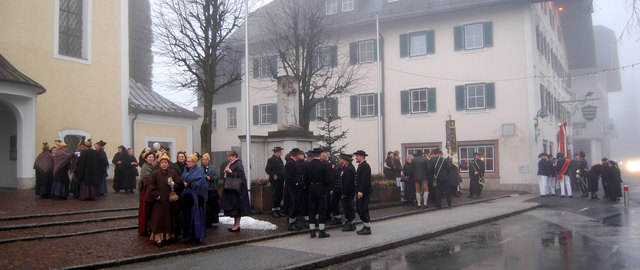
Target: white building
[[494, 66]]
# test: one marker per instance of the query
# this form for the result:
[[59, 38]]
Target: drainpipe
[[133, 132]]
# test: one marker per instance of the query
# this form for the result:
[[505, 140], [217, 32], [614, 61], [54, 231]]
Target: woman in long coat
[[132, 172], [195, 196], [213, 205], [161, 183], [614, 181], [235, 204], [592, 179], [143, 209], [409, 187], [121, 170], [61, 167], [44, 171]]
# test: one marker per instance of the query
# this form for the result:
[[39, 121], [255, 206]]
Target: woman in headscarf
[[61, 166], [614, 181], [211, 175], [120, 172], [235, 204], [44, 171], [195, 198], [143, 209], [161, 183], [132, 171]]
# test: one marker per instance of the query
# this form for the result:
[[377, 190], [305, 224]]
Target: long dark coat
[[233, 203], [349, 180], [614, 181], [473, 178], [161, 220], [90, 167], [363, 178], [316, 174]]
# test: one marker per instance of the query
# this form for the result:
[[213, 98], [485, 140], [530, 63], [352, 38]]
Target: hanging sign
[[589, 112]]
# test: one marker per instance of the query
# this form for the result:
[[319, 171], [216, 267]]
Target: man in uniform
[[275, 170], [543, 173], [442, 176], [363, 186], [347, 177], [420, 170], [293, 175], [317, 176], [476, 172]]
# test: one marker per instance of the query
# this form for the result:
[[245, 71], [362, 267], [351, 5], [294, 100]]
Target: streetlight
[[542, 113]]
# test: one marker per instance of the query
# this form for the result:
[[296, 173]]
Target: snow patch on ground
[[249, 223]]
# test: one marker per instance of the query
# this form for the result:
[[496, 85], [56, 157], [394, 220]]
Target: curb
[[52, 236], [324, 262], [71, 222], [149, 257]]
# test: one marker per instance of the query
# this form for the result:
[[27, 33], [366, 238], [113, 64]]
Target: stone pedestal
[[261, 147]]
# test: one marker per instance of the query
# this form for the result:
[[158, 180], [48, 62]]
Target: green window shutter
[[256, 115], [431, 42], [333, 50], [458, 38], [487, 30], [256, 67], [274, 113], [375, 50], [354, 106], [490, 95], [404, 45], [313, 114], [460, 98], [405, 101], [353, 53], [333, 102], [431, 99]]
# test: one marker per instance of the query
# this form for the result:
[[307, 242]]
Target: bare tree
[[304, 39], [634, 20], [196, 36]]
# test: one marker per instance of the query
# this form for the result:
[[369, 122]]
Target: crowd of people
[[575, 174]]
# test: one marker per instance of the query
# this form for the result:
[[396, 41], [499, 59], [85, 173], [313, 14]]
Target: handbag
[[232, 184]]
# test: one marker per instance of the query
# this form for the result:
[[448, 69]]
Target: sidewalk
[[302, 252]]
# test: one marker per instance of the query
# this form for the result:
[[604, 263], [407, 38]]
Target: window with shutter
[[232, 117], [473, 36]]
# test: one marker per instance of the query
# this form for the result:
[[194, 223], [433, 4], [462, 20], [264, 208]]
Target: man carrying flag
[[563, 163]]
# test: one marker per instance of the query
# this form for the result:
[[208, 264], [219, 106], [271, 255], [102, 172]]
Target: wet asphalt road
[[565, 233]]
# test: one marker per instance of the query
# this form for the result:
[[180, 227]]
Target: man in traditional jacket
[[443, 175], [316, 175], [544, 171], [275, 170], [346, 177], [476, 172], [364, 189], [294, 175], [563, 176], [420, 170]]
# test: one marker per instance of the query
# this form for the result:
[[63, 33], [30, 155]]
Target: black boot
[[348, 227], [336, 221], [294, 227], [323, 234], [364, 231], [313, 233]]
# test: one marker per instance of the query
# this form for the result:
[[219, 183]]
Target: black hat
[[347, 157], [604, 159], [277, 149], [582, 154], [295, 151], [316, 150], [476, 154], [360, 153], [542, 155], [436, 151], [101, 143], [325, 149]]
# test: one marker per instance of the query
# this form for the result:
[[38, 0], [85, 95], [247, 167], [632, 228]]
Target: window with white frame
[[365, 51], [323, 109], [73, 24], [473, 36], [367, 105], [214, 120], [322, 57], [487, 153], [418, 44], [419, 100], [232, 117], [331, 6], [425, 149], [265, 114], [347, 5], [265, 67], [475, 96]]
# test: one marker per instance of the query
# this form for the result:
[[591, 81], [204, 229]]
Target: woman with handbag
[[159, 196], [235, 195], [193, 225]]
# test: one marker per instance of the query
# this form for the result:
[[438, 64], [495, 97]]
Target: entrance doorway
[[8, 147]]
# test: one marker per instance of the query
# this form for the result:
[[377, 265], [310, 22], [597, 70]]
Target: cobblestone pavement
[[113, 245]]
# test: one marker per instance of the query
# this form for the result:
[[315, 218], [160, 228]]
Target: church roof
[[9, 73], [144, 100]]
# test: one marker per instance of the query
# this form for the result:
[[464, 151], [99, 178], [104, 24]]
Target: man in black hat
[[444, 176], [363, 186], [476, 172], [420, 169], [543, 173], [275, 170], [317, 176], [333, 207], [346, 178], [294, 178]]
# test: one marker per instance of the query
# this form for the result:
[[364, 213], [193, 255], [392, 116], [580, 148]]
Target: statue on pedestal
[[288, 103]]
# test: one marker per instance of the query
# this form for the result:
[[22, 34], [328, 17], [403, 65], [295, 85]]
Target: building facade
[[498, 68]]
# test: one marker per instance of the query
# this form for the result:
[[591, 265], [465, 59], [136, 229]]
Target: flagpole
[[381, 155], [246, 94]]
